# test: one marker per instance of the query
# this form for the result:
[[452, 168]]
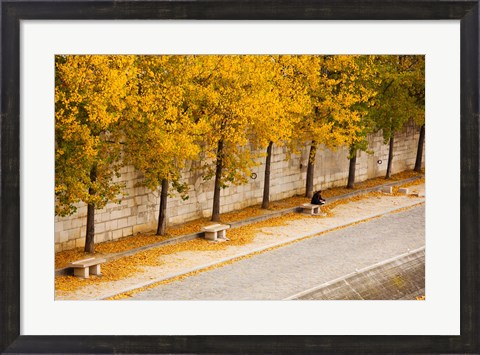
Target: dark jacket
[[317, 199]]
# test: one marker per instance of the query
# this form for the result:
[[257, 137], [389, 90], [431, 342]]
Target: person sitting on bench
[[317, 199]]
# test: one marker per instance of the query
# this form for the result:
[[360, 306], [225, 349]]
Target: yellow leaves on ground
[[330, 206], [118, 269], [337, 191], [125, 267], [128, 266], [63, 258], [248, 212], [288, 203], [129, 243], [412, 183]]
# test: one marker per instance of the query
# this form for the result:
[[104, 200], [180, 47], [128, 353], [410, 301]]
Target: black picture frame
[[13, 12]]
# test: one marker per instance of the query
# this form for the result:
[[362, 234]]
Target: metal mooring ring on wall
[[253, 176], [379, 161]]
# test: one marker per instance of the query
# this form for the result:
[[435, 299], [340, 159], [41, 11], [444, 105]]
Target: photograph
[[240, 177]]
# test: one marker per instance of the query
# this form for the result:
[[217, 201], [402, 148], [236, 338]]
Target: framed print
[[34, 34]]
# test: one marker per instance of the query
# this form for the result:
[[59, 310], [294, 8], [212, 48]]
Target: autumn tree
[[91, 93], [417, 91], [395, 104], [332, 87], [281, 102], [361, 80], [218, 97], [160, 135], [421, 140]]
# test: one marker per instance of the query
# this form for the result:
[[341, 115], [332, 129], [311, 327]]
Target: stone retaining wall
[[138, 211]]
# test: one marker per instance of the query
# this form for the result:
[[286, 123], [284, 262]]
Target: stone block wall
[[138, 210]]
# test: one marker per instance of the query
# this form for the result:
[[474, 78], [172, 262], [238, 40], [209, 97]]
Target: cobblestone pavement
[[285, 271]]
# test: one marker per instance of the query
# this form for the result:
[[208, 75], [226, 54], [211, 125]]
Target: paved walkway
[[198, 255], [288, 270]]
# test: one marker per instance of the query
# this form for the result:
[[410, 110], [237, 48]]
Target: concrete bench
[[83, 268], [412, 193], [311, 209], [387, 189], [216, 231]]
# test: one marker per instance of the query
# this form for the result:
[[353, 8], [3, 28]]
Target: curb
[[236, 224], [258, 250]]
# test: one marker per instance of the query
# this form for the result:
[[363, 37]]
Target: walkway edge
[[258, 250]]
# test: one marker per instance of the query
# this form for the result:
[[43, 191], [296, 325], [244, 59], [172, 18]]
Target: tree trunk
[[90, 234], [351, 168], [421, 139], [390, 158], [218, 177], [162, 212], [311, 170], [266, 183]]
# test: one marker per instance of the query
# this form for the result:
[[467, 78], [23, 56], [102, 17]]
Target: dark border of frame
[[12, 12]]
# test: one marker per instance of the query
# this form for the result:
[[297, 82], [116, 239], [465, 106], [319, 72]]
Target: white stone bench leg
[[95, 270], [311, 210], [211, 235], [81, 272], [223, 234]]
